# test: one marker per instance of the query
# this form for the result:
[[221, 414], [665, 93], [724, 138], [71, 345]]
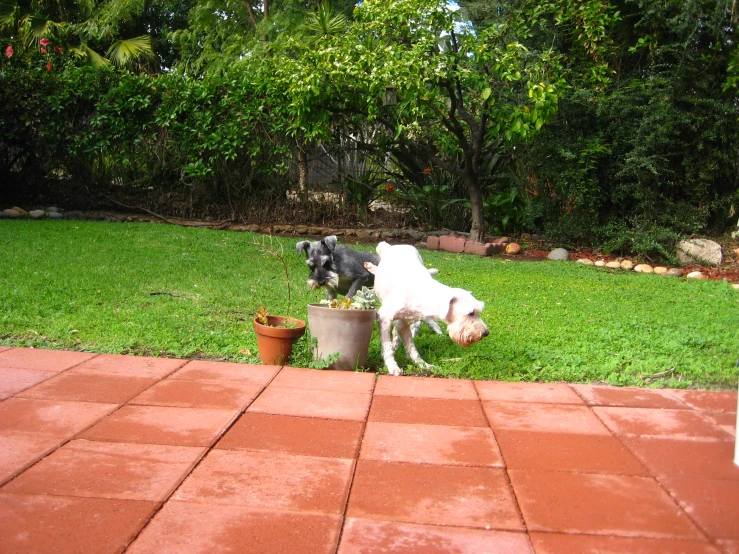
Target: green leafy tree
[[462, 96]]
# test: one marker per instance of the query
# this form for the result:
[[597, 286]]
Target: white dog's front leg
[[385, 323], [406, 333]]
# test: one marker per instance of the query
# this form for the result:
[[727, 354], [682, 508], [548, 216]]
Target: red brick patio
[[103, 453]]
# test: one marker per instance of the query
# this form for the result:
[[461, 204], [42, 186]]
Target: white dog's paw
[[397, 371]]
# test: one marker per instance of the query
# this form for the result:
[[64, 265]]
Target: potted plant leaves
[[342, 329]]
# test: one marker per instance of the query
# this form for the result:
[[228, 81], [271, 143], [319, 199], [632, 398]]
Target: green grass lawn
[[91, 286]]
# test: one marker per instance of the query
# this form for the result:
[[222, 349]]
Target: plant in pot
[[342, 329], [276, 333]]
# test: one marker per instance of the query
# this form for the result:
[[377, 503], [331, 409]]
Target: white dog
[[409, 293]]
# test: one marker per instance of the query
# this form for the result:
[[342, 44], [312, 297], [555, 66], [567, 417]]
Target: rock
[[525, 236], [37, 214], [12, 213], [559, 255], [19, 210], [472, 247], [659, 270], [627, 265], [496, 248], [512, 249], [451, 243], [498, 240], [736, 251], [54, 209], [644, 268], [56, 215], [699, 251], [585, 261], [613, 265], [695, 275], [415, 235], [432, 242], [600, 263], [674, 272], [364, 234]]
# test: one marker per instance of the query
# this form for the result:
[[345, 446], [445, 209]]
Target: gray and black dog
[[336, 267]]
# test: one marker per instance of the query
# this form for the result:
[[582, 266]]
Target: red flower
[[43, 50], [9, 51], [48, 66], [44, 41], [58, 49], [427, 171], [390, 187]]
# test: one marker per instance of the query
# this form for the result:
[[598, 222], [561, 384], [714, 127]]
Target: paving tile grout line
[[208, 450], [357, 452], [659, 483], [505, 464]]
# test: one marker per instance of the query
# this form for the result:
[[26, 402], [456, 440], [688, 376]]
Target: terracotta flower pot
[[346, 332], [276, 341]]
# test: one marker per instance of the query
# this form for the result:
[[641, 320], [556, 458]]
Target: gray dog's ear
[[330, 242], [302, 246]]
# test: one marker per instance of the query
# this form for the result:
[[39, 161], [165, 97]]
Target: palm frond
[[9, 12], [93, 58], [125, 52], [324, 22]]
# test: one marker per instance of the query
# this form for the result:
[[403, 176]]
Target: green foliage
[[151, 289], [363, 299]]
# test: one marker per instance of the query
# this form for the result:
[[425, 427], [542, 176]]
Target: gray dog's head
[[320, 260]]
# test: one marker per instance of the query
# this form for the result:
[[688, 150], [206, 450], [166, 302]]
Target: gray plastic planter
[[346, 332]]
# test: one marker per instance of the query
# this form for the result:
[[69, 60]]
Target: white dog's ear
[[330, 242], [446, 303], [381, 247]]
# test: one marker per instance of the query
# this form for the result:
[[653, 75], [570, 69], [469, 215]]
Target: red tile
[[312, 403], [109, 470], [567, 452], [426, 387], [13, 380], [555, 543], [545, 418], [3, 348], [304, 436], [430, 444], [20, 450], [686, 458], [712, 504], [56, 418], [183, 527], [723, 420], [599, 505], [326, 380], [672, 424], [130, 366], [226, 372], [41, 524], [547, 393], [367, 536], [708, 401], [427, 411], [433, 494], [89, 388], [599, 395], [269, 481], [43, 360], [163, 425], [199, 394], [729, 546]]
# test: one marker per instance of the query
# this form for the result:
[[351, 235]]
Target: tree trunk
[[477, 232], [302, 170]]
